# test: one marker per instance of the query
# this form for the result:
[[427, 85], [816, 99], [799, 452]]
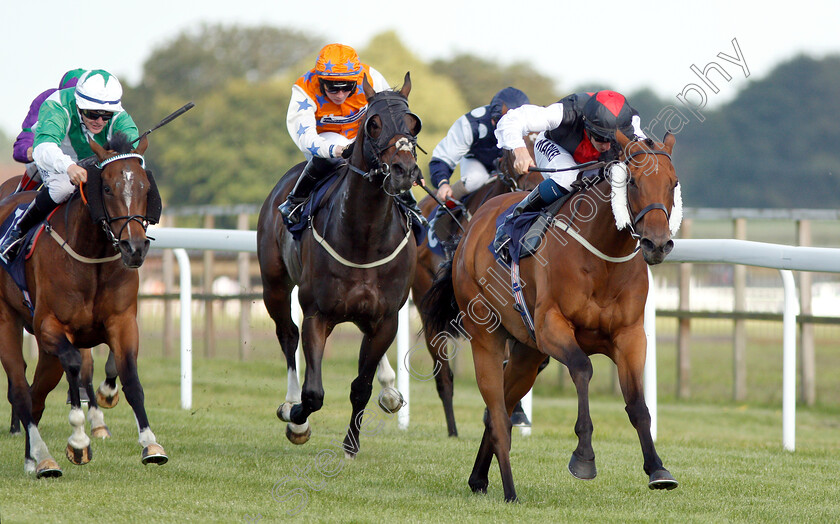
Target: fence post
[[739, 338], [168, 269], [806, 330], [207, 277], [684, 323], [244, 261]]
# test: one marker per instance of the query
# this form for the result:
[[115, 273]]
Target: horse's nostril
[[669, 245], [647, 245]]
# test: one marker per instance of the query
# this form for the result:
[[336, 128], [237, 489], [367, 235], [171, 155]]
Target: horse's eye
[[631, 181], [106, 190]]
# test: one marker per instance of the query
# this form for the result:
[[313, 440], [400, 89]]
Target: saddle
[[442, 228], [16, 267]]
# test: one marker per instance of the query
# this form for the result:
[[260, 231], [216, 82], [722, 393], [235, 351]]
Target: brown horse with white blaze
[[82, 275], [585, 288]]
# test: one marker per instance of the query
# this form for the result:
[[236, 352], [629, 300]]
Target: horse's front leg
[[555, 338], [315, 332], [53, 341], [377, 339], [124, 340], [629, 357]]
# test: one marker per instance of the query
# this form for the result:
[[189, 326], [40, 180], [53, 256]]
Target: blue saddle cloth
[[516, 230], [322, 187], [16, 267]]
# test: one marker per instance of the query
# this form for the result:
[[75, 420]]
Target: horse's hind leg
[[390, 400], [98, 429], [108, 393], [37, 458], [14, 424], [629, 357], [48, 373]]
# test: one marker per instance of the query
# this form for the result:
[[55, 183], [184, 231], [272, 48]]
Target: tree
[[480, 79]]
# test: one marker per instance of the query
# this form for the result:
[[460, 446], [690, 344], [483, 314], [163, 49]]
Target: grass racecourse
[[230, 461]]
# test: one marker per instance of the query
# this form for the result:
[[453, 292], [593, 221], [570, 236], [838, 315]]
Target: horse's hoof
[[47, 468], [100, 432], [349, 455], [15, 431], [390, 400], [107, 401], [582, 469], [79, 457], [662, 479], [154, 454], [284, 411], [478, 486], [298, 438]]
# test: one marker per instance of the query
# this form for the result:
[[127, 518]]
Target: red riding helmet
[[606, 111]]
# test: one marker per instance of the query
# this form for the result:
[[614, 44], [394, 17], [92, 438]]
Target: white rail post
[[789, 361], [650, 359], [186, 327], [403, 377]]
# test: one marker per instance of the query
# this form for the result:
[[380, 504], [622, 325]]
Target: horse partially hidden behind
[[506, 180], [84, 284], [586, 289], [353, 263]]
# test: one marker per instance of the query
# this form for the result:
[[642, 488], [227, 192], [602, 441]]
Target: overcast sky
[[625, 45]]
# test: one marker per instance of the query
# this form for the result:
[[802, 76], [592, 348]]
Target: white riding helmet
[[99, 90]]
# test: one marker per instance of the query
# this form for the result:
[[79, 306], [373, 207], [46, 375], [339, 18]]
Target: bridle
[[650, 207], [391, 107], [107, 220]]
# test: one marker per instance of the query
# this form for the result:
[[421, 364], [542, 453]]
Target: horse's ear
[[98, 150], [406, 88], [669, 142], [369, 92], [622, 140], [141, 147]]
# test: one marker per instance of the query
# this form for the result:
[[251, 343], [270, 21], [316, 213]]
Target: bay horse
[[107, 394], [586, 289], [84, 284], [505, 180], [354, 262]]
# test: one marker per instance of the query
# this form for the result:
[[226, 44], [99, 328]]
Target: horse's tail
[[439, 305]]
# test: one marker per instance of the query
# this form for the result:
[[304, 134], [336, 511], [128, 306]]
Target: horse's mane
[[119, 143]]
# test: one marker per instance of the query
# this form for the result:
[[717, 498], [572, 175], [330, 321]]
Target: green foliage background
[[773, 145]]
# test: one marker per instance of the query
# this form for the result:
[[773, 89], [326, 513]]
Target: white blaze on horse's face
[[403, 144], [128, 175]]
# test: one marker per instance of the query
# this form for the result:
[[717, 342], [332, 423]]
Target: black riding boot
[[314, 170], [410, 202], [37, 211], [533, 202]]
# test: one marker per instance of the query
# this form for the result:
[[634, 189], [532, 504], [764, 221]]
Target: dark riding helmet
[[509, 96], [606, 111]]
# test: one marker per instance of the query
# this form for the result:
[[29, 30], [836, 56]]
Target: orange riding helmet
[[338, 67]]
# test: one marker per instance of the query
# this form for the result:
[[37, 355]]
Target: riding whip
[[592, 163], [441, 204], [170, 118]]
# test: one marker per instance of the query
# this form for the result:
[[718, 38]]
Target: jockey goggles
[[599, 138], [94, 114], [336, 86]]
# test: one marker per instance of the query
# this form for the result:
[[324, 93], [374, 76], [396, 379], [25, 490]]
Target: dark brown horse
[[586, 290], [506, 180], [84, 282], [354, 263]]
